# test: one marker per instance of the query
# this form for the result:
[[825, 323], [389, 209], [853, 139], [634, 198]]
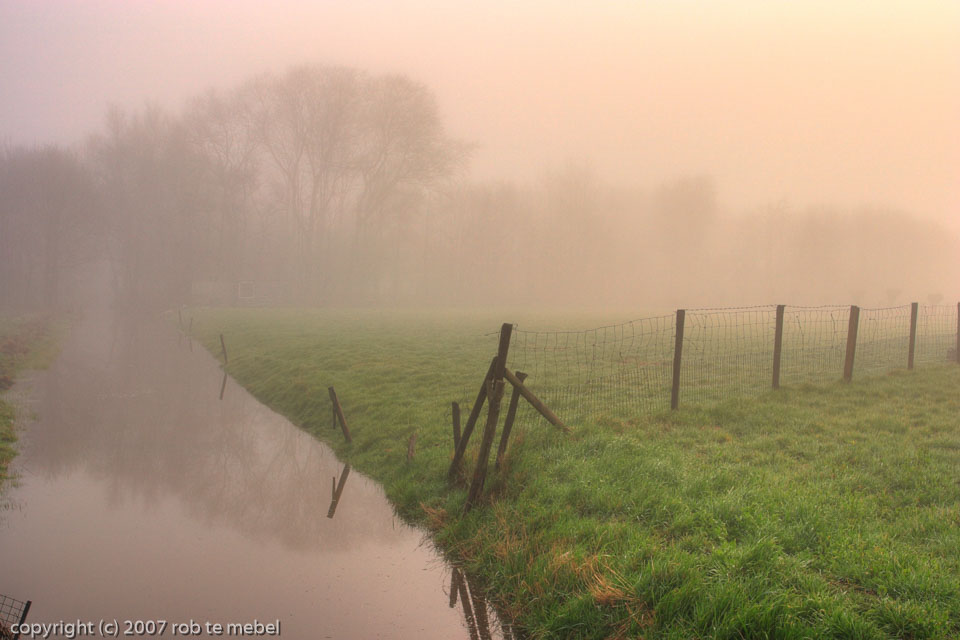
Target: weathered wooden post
[[411, 447], [777, 345], [534, 401], [851, 342], [914, 309], [677, 356], [455, 408], [223, 345], [338, 411], [471, 422], [508, 421], [494, 395]]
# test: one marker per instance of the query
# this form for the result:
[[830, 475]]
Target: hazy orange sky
[[804, 102]]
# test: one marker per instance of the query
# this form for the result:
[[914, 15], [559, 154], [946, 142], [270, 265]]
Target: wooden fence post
[[778, 346], [508, 421], [534, 401], [914, 308], [223, 345], [677, 355], [338, 411], [494, 395], [851, 342], [411, 447], [471, 422], [455, 408]]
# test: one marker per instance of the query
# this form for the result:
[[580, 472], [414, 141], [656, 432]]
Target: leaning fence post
[[677, 354], [223, 345], [338, 411], [914, 307], [777, 346], [508, 421], [851, 342], [455, 409], [494, 394], [461, 448]]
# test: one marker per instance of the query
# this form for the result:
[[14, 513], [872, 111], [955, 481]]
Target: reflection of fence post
[[494, 394], [338, 490], [677, 353], [851, 342], [914, 307], [471, 422], [778, 346], [508, 421]]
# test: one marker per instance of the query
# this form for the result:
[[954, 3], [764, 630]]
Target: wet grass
[[25, 343], [827, 511]]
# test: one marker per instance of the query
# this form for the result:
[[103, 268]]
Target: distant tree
[[48, 222]]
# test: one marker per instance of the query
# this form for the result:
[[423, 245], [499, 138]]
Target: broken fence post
[[536, 402], [338, 411], [461, 449], [494, 395], [508, 421]]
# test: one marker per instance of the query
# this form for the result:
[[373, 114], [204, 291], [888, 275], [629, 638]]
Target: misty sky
[[805, 102]]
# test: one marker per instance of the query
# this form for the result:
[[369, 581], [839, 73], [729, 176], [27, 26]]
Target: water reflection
[[338, 490], [138, 472], [475, 610]]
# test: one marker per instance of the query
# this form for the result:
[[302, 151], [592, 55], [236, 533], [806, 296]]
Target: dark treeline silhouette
[[330, 186]]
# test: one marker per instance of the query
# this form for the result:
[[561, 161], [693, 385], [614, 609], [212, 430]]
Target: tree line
[[332, 186]]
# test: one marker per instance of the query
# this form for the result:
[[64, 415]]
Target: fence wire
[[726, 351], [12, 611], [619, 372], [610, 372], [883, 340], [937, 329], [814, 344]]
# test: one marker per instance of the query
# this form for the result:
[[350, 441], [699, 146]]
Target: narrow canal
[[144, 495]]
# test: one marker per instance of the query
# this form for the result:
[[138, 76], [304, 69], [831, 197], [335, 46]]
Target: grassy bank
[[813, 512], [25, 343]]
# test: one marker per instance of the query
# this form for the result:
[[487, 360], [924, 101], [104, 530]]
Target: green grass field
[[25, 343], [818, 511]]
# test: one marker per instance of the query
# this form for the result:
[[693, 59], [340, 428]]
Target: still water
[[144, 495]]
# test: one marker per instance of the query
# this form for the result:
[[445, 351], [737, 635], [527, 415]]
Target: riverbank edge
[[27, 343], [474, 540]]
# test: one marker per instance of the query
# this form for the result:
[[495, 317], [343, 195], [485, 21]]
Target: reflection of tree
[[132, 409]]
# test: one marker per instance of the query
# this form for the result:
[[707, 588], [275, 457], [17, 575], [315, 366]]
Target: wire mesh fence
[[12, 612], [613, 371], [937, 330], [618, 372]]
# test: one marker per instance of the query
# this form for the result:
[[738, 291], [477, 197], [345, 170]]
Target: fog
[[629, 155]]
